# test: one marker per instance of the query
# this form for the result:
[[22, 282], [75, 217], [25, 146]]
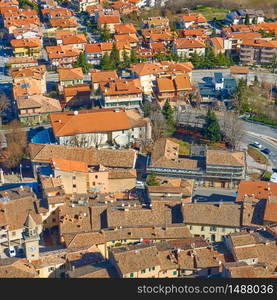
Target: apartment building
[[61, 56], [214, 168], [257, 51], [94, 127], [122, 93], [27, 47], [186, 47]]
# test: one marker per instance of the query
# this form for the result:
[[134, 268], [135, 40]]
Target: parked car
[[267, 151], [12, 252], [257, 145]]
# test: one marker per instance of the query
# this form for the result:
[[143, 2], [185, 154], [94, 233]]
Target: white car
[[258, 145], [12, 251]]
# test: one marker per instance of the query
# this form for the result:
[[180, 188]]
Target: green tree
[[82, 63], [211, 127], [126, 60], [133, 57], [168, 113], [254, 21], [114, 57], [105, 63], [213, 34], [152, 179], [105, 34], [247, 20]]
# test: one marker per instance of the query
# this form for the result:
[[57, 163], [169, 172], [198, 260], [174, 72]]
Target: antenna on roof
[[76, 112]]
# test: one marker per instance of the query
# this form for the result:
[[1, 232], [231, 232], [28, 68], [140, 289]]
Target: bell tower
[[31, 239]]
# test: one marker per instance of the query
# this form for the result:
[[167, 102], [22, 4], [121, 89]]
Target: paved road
[[253, 132]]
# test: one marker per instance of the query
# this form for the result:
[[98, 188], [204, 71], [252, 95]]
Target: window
[[53, 220], [175, 273], [191, 227], [131, 275], [13, 233], [74, 185], [96, 176], [202, 228], [123, 131], [142, 271], [223, 229], [153, 268], [73, 177], [213, 228]]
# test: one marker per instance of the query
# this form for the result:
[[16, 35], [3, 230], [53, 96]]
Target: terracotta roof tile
[[70, 74]]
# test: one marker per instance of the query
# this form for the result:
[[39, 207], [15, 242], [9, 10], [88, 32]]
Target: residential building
[[212, 221], [16, 205], [27, 47], [121, 92], [93, 127], [186, 47], [70, 76], [260, 52], [36, 109], [61, 56], [215, 168], [41, 160], [76, 41], [156, 22], [239, 16], [76, 96], [109, 22], [256, 188], [175, 88], [15, 267], [217, 44], [22, 62], [95, 52], [193, 20], [29, 81], [98, 77], [82, 5]]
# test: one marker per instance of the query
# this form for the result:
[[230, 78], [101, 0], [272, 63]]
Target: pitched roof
[[103, 76], [17, 210], [70, 74], [106, 46], [64, 22], [108, 20], [270, 214], [69, 165], [61, 51], [259, 189], [121, 87], [74, 39], [124, 28], [92, 156], [212, 214], [129, 259], [28, 42], [218, 42], [259, 43], [16, 268], [68, 124], [188, 43], [45, 104], [225, 158], [199, 18]]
